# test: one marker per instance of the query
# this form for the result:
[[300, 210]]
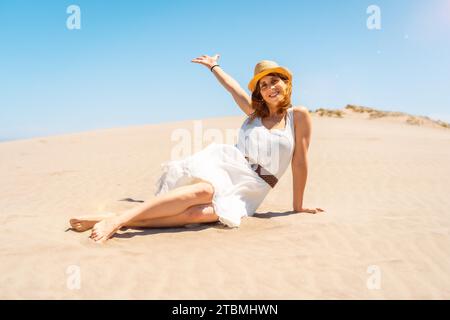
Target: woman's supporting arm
[[300, 158], [299, 162], [239, 95], [299, 176]]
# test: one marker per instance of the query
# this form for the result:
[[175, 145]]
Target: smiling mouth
[[273, 95]]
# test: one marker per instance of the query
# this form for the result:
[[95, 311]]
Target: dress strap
[[290, 119]]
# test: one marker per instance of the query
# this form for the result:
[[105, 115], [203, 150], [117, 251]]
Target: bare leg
[[203, 213], [182, 195], [172, 203]]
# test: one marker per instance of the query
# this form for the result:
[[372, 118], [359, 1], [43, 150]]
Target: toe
[[98, 236], [101, 240]]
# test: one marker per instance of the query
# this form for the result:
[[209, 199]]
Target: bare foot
[[83, 223], [105, 229]]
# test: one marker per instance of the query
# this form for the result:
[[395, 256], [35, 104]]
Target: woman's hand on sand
[[313, 211], [207, 60]]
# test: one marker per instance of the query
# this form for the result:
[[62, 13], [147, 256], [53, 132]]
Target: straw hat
[[263, 68]]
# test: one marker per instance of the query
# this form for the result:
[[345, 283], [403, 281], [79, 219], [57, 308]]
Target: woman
[[227, 182]]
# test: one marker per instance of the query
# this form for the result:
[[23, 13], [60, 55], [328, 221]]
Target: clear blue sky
[[129, 64]]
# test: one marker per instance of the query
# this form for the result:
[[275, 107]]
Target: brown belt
[[269, 178]]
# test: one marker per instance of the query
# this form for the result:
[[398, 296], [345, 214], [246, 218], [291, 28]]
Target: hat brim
[[256, 78]]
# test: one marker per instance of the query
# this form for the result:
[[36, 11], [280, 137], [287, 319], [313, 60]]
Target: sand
[[386, 233]]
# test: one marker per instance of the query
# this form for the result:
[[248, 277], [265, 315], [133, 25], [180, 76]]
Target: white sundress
[[238, 190]]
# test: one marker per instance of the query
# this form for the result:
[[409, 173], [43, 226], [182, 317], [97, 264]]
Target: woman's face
[[272, 89]]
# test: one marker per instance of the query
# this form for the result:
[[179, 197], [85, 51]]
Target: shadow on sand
[[131, 200], [271, 214], [137, 232]]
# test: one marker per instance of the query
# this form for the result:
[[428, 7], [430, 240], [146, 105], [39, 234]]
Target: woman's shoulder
[[301, 114], [300, 109]]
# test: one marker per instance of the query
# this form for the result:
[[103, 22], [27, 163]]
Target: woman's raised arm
[[239, 95]]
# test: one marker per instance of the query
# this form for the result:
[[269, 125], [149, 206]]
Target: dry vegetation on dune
[[373, 113], [376, 114], [411, 119], [329, 113]]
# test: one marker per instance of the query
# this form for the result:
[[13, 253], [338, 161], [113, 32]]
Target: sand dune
[[385, 235]]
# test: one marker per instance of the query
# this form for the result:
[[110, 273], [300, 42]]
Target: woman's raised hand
[[207, 60]]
